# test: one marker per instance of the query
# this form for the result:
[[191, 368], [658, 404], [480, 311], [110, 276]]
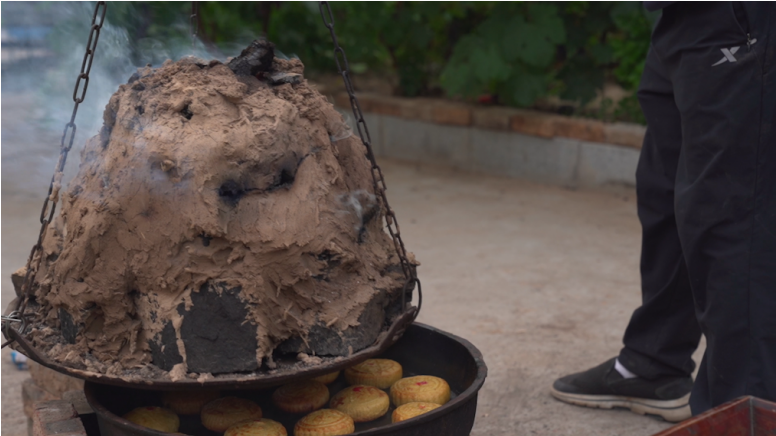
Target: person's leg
[[725, 202], [663, 332]]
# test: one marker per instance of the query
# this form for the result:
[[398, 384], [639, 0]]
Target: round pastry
[[188, 402], [257, 427], [326, 422], [411, 410], [220, 414], [381, 373], [327, 378], [156, 418], [421, 388], [301, 397], [363, 403]]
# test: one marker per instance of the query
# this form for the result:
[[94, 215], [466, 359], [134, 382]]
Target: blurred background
[[556, 56]]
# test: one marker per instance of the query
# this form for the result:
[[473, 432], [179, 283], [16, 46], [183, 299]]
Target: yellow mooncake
[[188, 402], [257, 427], [326, 422], [380, 373], [220, 414], [327, 378], [421, 388], [411, 410], [363, 403], [301, 397], [156, 418]]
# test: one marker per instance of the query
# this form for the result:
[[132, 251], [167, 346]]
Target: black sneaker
[[603, 387]]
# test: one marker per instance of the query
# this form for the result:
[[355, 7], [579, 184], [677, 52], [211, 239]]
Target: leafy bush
[[509, 54], [525, 51], [519, 52]]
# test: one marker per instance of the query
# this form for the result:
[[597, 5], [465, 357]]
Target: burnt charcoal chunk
[[218, 339], [253, 60], [68, 326], [326, 341], [164, 348]]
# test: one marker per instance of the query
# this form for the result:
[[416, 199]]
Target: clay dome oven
[[224, 215]]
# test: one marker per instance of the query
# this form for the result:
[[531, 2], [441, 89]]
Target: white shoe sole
[[670, 410]]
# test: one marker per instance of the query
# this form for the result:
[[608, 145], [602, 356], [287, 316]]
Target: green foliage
[[517, 51], [524, 51], [509, 54], [631, 43]]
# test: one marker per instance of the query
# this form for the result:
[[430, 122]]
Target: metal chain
[[194, 24], [50, 203], [377, 174]]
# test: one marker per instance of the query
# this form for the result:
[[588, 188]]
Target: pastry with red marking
[[421, 388], [326, 422], [411, 410], [363, 403]]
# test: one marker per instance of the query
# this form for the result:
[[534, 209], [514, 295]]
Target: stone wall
[[539, 146]]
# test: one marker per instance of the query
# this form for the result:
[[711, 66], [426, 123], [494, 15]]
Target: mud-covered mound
[[218, 217]]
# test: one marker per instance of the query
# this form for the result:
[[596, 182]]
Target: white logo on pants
[[727, 54]]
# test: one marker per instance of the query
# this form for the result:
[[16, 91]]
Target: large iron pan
[[287, 370], [421, 350]]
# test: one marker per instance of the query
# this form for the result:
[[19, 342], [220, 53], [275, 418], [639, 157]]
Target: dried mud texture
[[216, 213]]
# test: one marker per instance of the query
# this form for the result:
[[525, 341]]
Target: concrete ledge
[[528, 122], [555, 160]]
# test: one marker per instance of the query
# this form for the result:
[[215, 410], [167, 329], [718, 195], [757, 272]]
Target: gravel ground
[[542, 279]]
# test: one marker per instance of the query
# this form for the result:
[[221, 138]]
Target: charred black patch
[[284, 180], [76, 191], [370, 213], [255, 59], [68, 327], [186, 112], [331, 260], [231, 192], [133, 77], [287, 174], [105, 132]]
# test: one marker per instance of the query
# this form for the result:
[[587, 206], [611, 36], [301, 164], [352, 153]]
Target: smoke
[[43, 46]]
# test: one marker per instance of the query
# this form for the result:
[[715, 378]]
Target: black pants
[[706, 186]]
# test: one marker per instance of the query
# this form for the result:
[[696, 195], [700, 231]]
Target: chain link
[[341, 59], [17, 316], [194, 24]]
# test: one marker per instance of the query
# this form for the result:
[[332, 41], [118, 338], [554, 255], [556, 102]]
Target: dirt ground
[[540, 278]]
